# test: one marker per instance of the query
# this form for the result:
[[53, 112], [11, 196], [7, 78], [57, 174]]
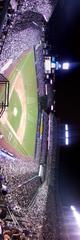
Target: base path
[[19, 88]]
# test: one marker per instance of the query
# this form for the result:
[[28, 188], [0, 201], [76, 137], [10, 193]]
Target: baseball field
[[18, 123]]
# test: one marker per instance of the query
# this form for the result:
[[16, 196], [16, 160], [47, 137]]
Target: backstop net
[[4, 94]]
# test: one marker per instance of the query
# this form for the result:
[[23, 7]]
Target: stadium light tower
[[66, 134]]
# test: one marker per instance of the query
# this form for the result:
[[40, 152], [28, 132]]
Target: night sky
[[63, 34]]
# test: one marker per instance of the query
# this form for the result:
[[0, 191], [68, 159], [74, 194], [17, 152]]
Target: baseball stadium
[[28, 128]]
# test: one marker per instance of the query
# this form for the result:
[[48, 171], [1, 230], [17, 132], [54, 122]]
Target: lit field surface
[[18, 123]]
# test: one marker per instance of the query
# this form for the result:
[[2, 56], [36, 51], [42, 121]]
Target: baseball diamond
[[19, 121]]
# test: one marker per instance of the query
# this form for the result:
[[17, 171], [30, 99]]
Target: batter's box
[[4, 94]]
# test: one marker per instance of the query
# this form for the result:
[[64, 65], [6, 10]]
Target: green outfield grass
[[26, 67]]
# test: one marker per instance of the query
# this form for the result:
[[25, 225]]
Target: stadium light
[[66, 134], [51, 81], [47, 76], [53, 65], [73, 208], [76, 215], [59, 65], [67, 141], [65, 66], [66, 127], [52, 107], [46, 89]]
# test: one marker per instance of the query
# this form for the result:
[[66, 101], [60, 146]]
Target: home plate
[[15, 111]]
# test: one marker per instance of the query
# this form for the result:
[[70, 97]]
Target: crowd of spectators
[[17, 42], [16, 174], [40, 70], [50, 223], [29, 213], [36, 214], [45, 8], [4, 31], [7, 24]]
